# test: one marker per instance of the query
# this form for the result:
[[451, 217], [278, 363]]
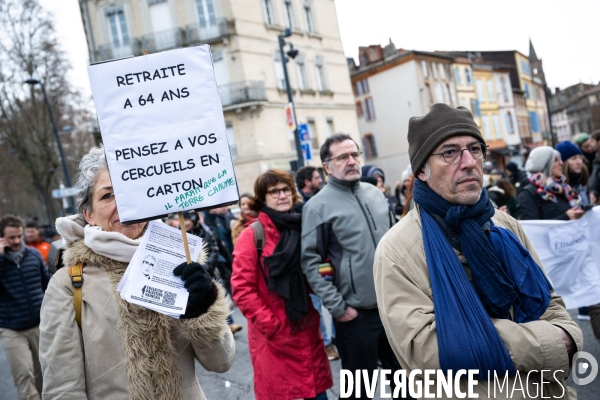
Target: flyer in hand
[[148, 280]]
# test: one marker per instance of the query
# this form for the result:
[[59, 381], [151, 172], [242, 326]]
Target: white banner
[[164, 134], [570, 253]]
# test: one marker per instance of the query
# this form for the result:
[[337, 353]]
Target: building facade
[[391, 89], [243, 35]]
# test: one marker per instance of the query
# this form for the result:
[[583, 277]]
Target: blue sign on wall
[[303, 132], [306, 151]]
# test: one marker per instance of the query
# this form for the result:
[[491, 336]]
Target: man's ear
[[326, 168], [422, 176]]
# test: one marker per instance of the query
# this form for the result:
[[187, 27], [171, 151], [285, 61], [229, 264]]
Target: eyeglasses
[[346, 157], [274, 193], [453, 154]]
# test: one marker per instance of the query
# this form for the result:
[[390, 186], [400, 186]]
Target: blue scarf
[[504, 278]]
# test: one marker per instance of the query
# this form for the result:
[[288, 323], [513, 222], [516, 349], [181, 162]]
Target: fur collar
[[151, 360]]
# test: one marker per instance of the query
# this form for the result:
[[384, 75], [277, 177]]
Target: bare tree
[[29, 48]]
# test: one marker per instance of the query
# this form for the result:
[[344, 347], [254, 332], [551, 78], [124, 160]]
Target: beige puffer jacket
[[405, 300], [124, 351]]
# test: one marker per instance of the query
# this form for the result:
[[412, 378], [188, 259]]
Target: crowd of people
[[425, 277]]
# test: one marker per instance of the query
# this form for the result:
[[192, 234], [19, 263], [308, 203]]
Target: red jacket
[[286, 365]]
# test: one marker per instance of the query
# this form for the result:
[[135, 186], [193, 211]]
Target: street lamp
[[292, 53], [33, 82]]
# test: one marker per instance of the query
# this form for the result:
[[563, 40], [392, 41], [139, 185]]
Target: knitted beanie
[[372, 171], [441, 122], [541, 160], [512, 167], [567, 149]]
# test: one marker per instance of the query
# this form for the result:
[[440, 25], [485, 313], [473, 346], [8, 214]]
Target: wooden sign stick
[[184, 237]]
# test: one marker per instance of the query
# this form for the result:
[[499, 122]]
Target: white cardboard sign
[[164, 134]]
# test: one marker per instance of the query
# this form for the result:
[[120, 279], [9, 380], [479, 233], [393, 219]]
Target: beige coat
[[124, 351], [405, 300]]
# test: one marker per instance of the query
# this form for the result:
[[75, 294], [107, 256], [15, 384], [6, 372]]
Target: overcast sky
[[564, 33]]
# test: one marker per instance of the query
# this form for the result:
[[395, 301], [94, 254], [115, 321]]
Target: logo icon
[[586, 368]]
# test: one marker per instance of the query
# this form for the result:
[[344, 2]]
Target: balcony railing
[[110, 52], [242, 92], [196, 34], [163, 40]]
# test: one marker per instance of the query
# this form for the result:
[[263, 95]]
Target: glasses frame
[[279, 191], [357, 158], [483, 148]]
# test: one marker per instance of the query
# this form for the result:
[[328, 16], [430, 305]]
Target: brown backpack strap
[[259, 236], [76, 274]]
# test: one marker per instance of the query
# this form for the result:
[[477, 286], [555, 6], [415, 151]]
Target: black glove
[[198, 282]]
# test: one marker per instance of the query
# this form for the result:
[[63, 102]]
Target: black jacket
[[22, 290], [519, 180], [532, 206]]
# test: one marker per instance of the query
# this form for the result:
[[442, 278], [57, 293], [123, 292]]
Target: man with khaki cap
[[459, 285]]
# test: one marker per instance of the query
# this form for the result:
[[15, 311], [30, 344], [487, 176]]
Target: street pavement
[[236, 384]]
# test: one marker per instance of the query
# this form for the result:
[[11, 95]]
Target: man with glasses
[[341, 227], [459, 285]]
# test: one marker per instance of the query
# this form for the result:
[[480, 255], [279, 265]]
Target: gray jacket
[[343, 223]]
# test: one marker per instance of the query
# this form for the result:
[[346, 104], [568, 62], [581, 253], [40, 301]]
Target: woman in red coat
[[286, 346]]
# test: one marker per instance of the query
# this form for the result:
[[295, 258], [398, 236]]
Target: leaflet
[[148, 280]]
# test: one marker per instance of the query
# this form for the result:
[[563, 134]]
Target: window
[[525, 68], [439, 97], [366, 85], [469, 76], [359, 109], [424, 68], [269, 14], [510, 127], [457, 76], [320, 74], [442, 68], [301, 71], [480, 93], [308, 17], [534, 122], [486, 127], [117, 26], [206, 13], [475, 108], [504, 85], [463, 102], [231, 139], [369, 145], [369, 109], [446, 92], [428, 93], [452, 93], [289, 14], [497, 128], [330, 130], [312, 133], [434, 71], [527, 93], [359, 88], [490, 90], [279, 75]]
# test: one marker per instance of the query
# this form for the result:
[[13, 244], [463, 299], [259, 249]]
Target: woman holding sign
[[284, 337], [121, 350]]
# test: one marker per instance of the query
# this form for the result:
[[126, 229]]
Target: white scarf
[[113, 245]]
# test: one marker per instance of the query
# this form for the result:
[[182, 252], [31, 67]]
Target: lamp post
[[292, 53], [33, 82]]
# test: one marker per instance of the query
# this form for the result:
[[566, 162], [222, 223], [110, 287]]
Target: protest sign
[[570, 254], [148, 280], [164, 134]]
